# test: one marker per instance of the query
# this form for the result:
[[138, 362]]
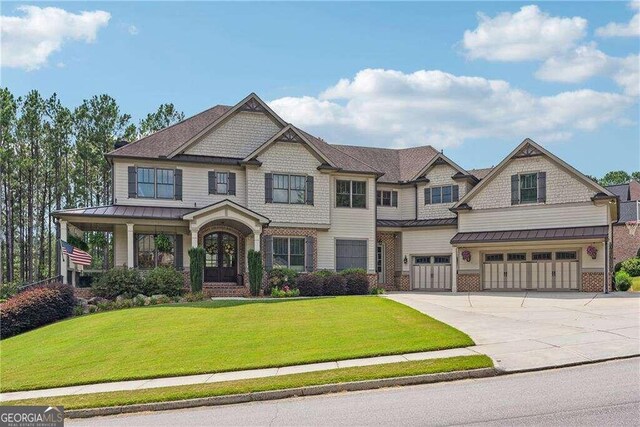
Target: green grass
[[216, 336], [164, 394], [635, 284]]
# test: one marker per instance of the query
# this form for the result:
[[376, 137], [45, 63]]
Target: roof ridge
[[169, 127]]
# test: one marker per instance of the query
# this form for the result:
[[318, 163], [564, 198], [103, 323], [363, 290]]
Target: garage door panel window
[[422, 260], [517, 257], [351, 254], [541, 256], [442, 260], [566, 255], [493, 257]]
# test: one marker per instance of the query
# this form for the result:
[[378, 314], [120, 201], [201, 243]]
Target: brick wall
[[469, 282], [402, 282], [592, 282], [293, 232], [389, 240], [625, 245]]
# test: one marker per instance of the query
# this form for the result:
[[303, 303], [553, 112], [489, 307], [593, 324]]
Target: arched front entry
[[221, 257]]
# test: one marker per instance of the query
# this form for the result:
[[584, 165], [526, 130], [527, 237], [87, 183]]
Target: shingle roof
[[620, 190], [125, 211], [167, 140], [628, 211], [570, 233], [396, 164], [480, 173]]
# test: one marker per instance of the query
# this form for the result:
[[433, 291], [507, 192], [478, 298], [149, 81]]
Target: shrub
[[255, 271], [323, 273], [638, 253], [281, 277], [377, 291], [36, 307], [347, 271], [164, 280], [196, 268], [118, 281], [7, 290], [161, 299], [195, 296], [310, 285], [632, 266], [617, 267], [285, 292], [623, 281], [357, 283], [335, 285]]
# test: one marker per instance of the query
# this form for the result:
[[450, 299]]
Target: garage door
[[431, 272], [540, 270]]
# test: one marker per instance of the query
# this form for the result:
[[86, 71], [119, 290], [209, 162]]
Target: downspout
[[416, 199]]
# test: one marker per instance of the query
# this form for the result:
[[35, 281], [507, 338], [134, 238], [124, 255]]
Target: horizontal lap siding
[[407, 202], [426, 242], [390, 212], [195, 180]]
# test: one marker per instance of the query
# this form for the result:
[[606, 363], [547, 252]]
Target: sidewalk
[[235, 375]]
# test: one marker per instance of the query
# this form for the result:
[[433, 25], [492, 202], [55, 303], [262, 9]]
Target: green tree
[[165, 116], [615, 177], [636, 176]]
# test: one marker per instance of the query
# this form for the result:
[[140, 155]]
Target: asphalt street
[[599, 394]]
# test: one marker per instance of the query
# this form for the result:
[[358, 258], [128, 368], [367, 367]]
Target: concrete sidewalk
[[235, 375], [523, 331]]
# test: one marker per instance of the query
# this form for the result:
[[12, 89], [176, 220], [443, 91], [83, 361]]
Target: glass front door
[[221, 257]]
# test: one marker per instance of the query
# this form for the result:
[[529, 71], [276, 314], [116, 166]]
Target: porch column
[[454, 270], [130, 245], [194, 238], [256, 241], [63, 258]]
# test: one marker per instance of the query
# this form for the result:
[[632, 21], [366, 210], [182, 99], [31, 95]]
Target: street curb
[[565, 365], [283, 394]]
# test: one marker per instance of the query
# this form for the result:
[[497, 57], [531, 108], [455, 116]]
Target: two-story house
[[234, 178]]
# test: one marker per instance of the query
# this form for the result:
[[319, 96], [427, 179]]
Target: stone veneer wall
[[592, 282], [625, 245], [389, 240], [469, 282]]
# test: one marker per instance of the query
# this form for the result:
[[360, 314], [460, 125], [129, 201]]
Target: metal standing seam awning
[[570, 233], [126, 211]]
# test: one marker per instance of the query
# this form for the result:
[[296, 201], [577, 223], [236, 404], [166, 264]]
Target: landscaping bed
[[216, 336], [333, 376]]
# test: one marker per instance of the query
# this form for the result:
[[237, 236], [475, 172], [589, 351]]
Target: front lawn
[[215, 336], [332, 376], [635, 284]]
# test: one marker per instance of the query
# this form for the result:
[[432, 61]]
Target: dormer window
[[529, 188]]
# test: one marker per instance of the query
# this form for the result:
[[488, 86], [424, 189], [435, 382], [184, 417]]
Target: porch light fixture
[[405, 260]]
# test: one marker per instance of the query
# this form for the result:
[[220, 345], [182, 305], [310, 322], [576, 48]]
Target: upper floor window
[[288, 252], [289, 188], [155, 183], [386, 198], [351, 194], [529, 188], [441, 194], [222, 182]]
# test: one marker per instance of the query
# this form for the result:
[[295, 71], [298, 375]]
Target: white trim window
[[529, 188], [351, 194], [387, 198], [288, 252], [289, 188], [222, 182]]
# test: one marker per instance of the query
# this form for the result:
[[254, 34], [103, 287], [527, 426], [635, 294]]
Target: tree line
[[51, 158]]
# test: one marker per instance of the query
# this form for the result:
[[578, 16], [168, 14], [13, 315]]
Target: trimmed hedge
[[256, 271], [309, 285], [623, 281], [632, 266], [164, 280], [335, 285], [357, 283], [119, 281], [196, 268], [36, 307]]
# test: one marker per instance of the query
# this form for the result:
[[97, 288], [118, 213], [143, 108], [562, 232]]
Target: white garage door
[[539, 270], [431, 272]]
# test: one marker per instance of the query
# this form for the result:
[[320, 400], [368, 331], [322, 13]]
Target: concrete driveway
[[527, 330]]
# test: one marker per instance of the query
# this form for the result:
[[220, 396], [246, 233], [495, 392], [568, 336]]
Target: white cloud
[[630, 29], [133, 30], [386, 107], [627, 74], [576, 66], [29, 40], [528, 34]]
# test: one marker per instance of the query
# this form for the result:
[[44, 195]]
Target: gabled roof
[[629, 211], [480, 173], [620, 190], [440, 159], [162, 143], [224, 204], [398, 165], [528, 147]]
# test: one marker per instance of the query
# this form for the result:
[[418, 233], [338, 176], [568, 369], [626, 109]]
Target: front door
[[221, 257]]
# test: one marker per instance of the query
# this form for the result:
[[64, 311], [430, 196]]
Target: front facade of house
[[234, 178]]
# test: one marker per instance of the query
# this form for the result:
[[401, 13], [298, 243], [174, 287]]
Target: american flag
[[76, 255]]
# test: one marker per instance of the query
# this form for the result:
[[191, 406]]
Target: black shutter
[[232, 184], [542, 187], [133, 191], [427, 196], [310, 190], [378, 198], [308, 254], [268, 253], [394, 199], [268, 188], [179, 262], [212, 182], [455, 193], [178, 184], [515, 196]]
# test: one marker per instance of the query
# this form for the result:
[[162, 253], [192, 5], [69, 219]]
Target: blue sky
[[411, 75]]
